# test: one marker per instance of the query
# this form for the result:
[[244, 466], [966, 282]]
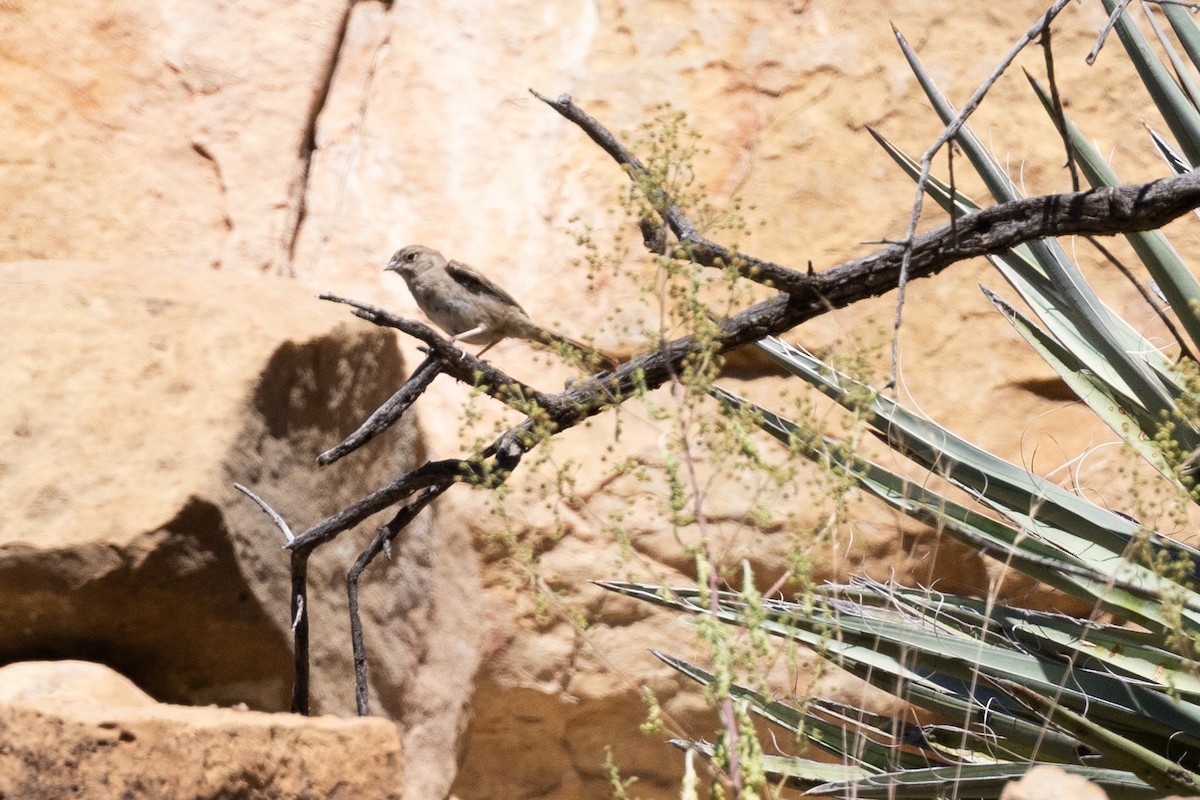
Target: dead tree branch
[[379, 544], [387, 413], [803, 296]]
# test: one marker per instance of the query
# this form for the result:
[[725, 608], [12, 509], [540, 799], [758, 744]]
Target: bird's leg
[[456, 338], [477, 329]]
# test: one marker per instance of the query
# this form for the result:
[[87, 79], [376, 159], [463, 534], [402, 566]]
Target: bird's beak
[[393, 265]]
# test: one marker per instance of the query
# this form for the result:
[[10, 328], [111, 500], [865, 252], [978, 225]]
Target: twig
[[270, 512], [947, 134], [300, 644], [692, 246], [387, 413], [1109, 24], [381, 541], [726, 712], [954, 210], [431, 473], [1060, 118], [456, 363], [1184, 350]]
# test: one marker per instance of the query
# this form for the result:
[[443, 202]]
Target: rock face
[[177, 134], [73, 729], [175, 385], [160, 156], [138, 398]]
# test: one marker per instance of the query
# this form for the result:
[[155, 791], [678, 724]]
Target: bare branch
[[387, 413], [692, 246], [456, 363], [1103, 211], [1060, 118], [270, 512], [300, 646], [381, 541], [431, 473], [1109, 24]]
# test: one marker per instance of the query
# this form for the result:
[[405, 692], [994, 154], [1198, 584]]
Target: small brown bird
[[469, 307]]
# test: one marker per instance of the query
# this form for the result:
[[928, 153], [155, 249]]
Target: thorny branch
[[803, 295]]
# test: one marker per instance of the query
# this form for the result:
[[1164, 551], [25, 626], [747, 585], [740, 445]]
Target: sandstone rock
[[1052, 783], [174, 132], [137, 398], [77, 729], [312, 139]]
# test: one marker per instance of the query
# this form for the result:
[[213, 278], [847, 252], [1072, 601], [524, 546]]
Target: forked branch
[[802, 296]]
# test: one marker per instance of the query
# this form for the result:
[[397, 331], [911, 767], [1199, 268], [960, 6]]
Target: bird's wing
[[477, 283]]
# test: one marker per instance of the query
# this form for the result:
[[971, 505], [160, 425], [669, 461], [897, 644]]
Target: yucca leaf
[[1098, 536], [1081, 303], [1139, 654], [1185, 28], [871, 752], [1115, 410], [1031, 555], [796, 772], [1173, 159], [1181, 117], [1174, 279], [910, 650], [1182, 75], [1148, 764]]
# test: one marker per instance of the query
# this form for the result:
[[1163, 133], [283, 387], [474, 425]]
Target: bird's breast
[[454, 313]]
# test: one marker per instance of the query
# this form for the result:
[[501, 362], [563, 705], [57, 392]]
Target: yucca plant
[[1115, 701]]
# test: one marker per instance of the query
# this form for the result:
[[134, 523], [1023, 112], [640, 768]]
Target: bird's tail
[[592, 358]]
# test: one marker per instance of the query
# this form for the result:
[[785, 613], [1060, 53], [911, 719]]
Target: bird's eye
[[410, 257]]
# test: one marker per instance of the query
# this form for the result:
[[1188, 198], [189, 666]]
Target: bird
[[464, 303]]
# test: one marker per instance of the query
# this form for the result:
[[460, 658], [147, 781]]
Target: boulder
[[78, 729]]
